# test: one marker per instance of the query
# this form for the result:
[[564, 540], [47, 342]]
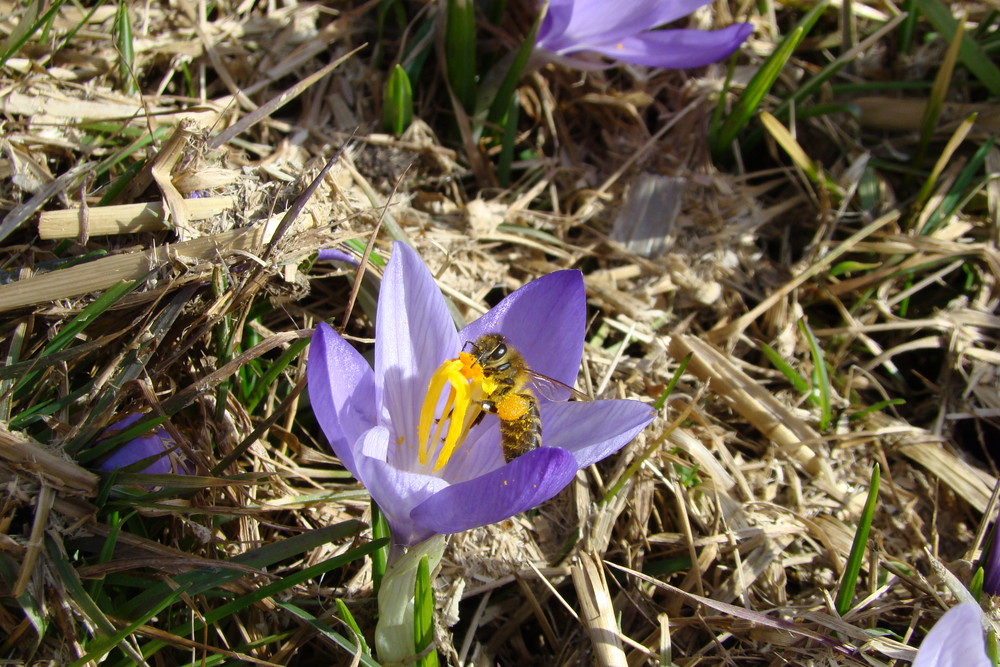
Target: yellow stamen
[[462, 378]]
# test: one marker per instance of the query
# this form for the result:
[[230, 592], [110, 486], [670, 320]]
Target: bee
[[513, 400]]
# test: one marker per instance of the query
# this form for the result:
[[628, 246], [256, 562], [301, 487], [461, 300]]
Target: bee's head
[[488, 348]]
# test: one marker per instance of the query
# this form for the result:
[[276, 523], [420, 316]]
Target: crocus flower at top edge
[[371, 417], [573, 30], [956, 640]]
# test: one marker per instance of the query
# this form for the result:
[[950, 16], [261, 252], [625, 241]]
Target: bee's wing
[[554, 390]]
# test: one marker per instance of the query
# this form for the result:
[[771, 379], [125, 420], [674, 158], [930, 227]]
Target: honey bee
[[513, 400]]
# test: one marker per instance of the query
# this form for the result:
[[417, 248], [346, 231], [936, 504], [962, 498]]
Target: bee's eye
[[499, 353]]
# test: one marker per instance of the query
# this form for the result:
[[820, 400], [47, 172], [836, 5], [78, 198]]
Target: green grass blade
[[674, 379], [960, 190], [380, 558], [853, 567], [820, 394], [273, 371], [507, 142], [397, 102], [935, 102], [103, 645], [423, 615], [460, 50], [800, 384], [126, 49], [971, 55], [18, 38], [504, 97], [348, 618], [875, 407], [762, 81], [364, 657], [81, 322]]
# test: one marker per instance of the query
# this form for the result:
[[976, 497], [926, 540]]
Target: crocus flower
[[157, 443], [956, 640], [624, 31], [456, 479]]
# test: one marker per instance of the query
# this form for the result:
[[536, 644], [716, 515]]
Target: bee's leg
[[487, 406]]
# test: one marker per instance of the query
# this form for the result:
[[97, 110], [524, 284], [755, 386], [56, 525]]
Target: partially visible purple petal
[[342, 392], [415, 334], [676, 49], [157, 443], [334, 255], [587, 24], [397, 492], [594, 429], [991, 566], [545, 320], [956, 640], [522, 484]]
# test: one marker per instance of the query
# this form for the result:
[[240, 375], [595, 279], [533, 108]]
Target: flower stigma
[[467, 387]]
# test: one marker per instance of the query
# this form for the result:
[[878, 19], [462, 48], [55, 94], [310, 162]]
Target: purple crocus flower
[[156, 443], [372, 418], [624, 31], [956, 640]]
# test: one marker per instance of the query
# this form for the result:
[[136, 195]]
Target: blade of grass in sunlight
[[274, 370], [423, 616], [849, 580], [363, 655], [500, 104], [69, 578], [509, 138], [761, 83], [976, 583], [874, 407], [79, 323], [799, 383], [970, 53], [348, 618], [397, 102], [380, 558], [808, 166], [961, 190], [961, 132], [104, 644], [821, 380], [460, 50], [126, 49], [31, 23], [935, 102]]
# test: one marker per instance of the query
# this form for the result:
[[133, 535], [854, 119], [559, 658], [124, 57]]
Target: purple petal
[[583, 25], [415, 334], [545, 320], [522, 484], [342, 392], [479, 454], [334, 255], [595, 429], [991, 567], [397, 492], [956, 640], [676, 49], [157, 443]]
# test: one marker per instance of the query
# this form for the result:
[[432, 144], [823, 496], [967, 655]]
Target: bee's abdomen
[[521, 435]]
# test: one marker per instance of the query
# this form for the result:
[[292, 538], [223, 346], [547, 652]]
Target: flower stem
[[394, 637]]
